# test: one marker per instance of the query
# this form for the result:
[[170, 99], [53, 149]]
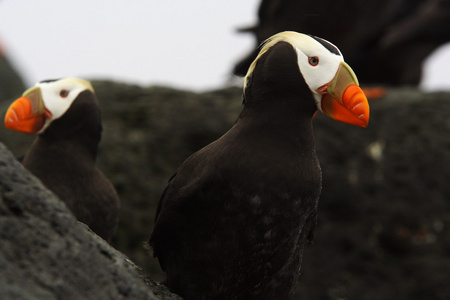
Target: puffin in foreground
[[66, 116], [233, 221]]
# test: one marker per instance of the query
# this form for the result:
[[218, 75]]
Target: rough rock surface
[[384, 212], [46, 254], [384, 224]]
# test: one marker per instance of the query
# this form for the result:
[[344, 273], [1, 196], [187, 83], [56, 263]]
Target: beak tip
[[19, 117], [356, 101], [10, 119], [365, 119]]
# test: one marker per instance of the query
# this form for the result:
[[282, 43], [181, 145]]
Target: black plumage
[[63, 157], [233, 221]]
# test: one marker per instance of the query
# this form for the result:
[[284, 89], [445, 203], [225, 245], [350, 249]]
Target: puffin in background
[[234, 219], [66, 116], [385, 41]]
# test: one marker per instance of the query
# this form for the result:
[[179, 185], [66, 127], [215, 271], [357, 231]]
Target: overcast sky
[[189, 44]]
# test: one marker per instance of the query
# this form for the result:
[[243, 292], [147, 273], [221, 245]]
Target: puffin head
[[45, 102], [330, 80]]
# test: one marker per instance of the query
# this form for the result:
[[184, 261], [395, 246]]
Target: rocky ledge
[[46, 254], [384, 223]]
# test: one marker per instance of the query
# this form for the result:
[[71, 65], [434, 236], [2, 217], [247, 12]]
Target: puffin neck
[[281, 112], [79, 127], [76, 142]]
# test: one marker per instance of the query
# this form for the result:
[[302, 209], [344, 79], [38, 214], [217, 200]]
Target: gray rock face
[[46, 254], [384, 212]]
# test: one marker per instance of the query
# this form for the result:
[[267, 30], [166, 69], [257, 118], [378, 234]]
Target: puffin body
[[66, 116], [233, 221]]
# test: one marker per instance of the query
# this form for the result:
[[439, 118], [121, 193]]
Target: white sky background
[[190, 44]]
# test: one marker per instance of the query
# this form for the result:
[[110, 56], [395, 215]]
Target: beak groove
[[344, 100], [26, 114], [356, 101]]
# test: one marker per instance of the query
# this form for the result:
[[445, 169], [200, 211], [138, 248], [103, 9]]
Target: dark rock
[[11, 84], [148, 133], [384, 215], [384, 212], [46, 254]]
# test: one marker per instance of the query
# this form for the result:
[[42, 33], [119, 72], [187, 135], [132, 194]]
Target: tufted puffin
[[233, 221], [66, 116]]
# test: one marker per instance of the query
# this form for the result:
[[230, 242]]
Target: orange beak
[[344, 100], [27, 114]]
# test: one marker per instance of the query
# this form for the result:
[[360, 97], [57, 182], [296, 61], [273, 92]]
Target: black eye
[[64, 93], [313, 60]]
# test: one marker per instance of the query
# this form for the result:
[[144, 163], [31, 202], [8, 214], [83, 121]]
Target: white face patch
[[320, 74], [315, 75], [59, 95]]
